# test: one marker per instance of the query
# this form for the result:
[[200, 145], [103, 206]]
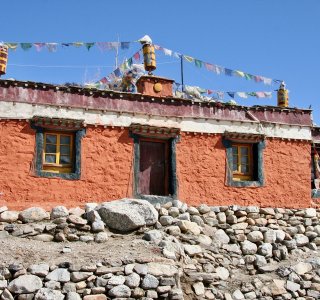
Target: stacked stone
[[91, 282], [217, 243]]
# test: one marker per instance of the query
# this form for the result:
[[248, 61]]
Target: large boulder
[[25, 284], [33, 214], [128, 214], [48, 294]]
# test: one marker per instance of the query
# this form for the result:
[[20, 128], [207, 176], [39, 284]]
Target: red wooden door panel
[[152, 172]]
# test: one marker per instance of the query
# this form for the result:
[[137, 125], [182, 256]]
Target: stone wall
[[221, 252]]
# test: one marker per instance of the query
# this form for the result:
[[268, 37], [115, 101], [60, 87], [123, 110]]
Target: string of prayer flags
[[52, 47], [218, 69], [197, 91]]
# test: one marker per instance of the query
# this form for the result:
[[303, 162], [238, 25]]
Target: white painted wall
[[10, 110]]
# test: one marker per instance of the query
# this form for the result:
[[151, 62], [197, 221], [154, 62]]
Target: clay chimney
[[155, 86]]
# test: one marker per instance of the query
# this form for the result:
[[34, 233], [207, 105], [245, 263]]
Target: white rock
[[59, 212], [9, 216], [25, 284], [292, 286], [310, 213], [198, 288], [192, 250], [248, 248], [221, 236], [255, 236], [301, 239], [60, 274], [33, 214], [189, 227], [302, 268], [101, 237], [133, 214], [265, 249], [48, 294], [222, 273], [237, 295], [270, 236]]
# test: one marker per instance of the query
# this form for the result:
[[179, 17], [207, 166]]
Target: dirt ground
[[14, 250]]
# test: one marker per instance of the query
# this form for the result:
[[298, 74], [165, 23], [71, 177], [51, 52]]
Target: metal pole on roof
[[117, 53], [181, 70]]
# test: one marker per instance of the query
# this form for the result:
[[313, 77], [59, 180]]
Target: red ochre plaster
[[107, 171], [201, 169]]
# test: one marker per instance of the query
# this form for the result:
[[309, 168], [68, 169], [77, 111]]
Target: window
[[242, 162], [58, 147], [58, 152], [244, 159]]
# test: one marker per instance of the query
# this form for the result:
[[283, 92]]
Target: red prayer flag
[[136, 56]]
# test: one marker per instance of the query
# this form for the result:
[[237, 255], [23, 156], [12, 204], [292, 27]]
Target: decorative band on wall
[[57, 123], [147, 130], [247, 137]]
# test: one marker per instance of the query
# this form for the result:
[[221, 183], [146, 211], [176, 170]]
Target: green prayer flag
[[89, 45], [198, 63], [26, 46]]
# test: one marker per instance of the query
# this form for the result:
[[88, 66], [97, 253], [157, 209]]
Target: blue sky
[[272, 38]]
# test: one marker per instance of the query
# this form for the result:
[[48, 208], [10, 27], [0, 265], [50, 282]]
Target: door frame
[[171, 169]]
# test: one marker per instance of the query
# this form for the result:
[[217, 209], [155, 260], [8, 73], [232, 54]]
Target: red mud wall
[[106, 169], [201, 169]]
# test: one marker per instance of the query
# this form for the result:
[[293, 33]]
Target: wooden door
[[153, 167]]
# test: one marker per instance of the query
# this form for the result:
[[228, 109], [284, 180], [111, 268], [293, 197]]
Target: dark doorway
[[153, 167]]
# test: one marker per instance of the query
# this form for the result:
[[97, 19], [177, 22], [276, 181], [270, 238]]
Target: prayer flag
[[231, 94], [188, 58], [242, 95], [12, 46], [125, 45], [130, 62], [209, 67], [239, 73], [39, 46], [136, 56], [26, 46], [228, 72], [117, 72], [52, 47], [167, 52], [88, 45], [198, 63], [77, 44]]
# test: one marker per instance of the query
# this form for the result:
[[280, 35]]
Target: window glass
[[65, 139], [64, 159], [65, 150], [50, 158], [51, 139], [51, 148]]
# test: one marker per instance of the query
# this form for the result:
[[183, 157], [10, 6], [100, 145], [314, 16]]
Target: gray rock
[[221, 236], [80, 276], [153, 235], [3, 284], [141, 269], [90, 206], [166, 220], [189, 227], [237, 295], [248, 248], [43, 237], [48, 294], [92, 216], [116, 280], [149, 282], [267, 211], [97, 226], [292, 286], [120, 291], [76, 211], [132, 213], [86, 238], [9, 216], [255, 236], [60, 274], [33, 214], [25, 284], [265, 249], [302, 268], [3, 234], [192, 250], [198, 288], [73, 296], [6, 295], [53, 285], [133, 280], [77, 220], [301, 240], [221, 217], [173, 230], [280, 235], [270, 236], [310, 213], [222, 273], [59, 212], [41, 270], [204, 209], [260, 261], [173, 212], [101, 237]]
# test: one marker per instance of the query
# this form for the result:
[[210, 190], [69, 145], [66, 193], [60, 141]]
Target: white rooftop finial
[[145, 40]]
